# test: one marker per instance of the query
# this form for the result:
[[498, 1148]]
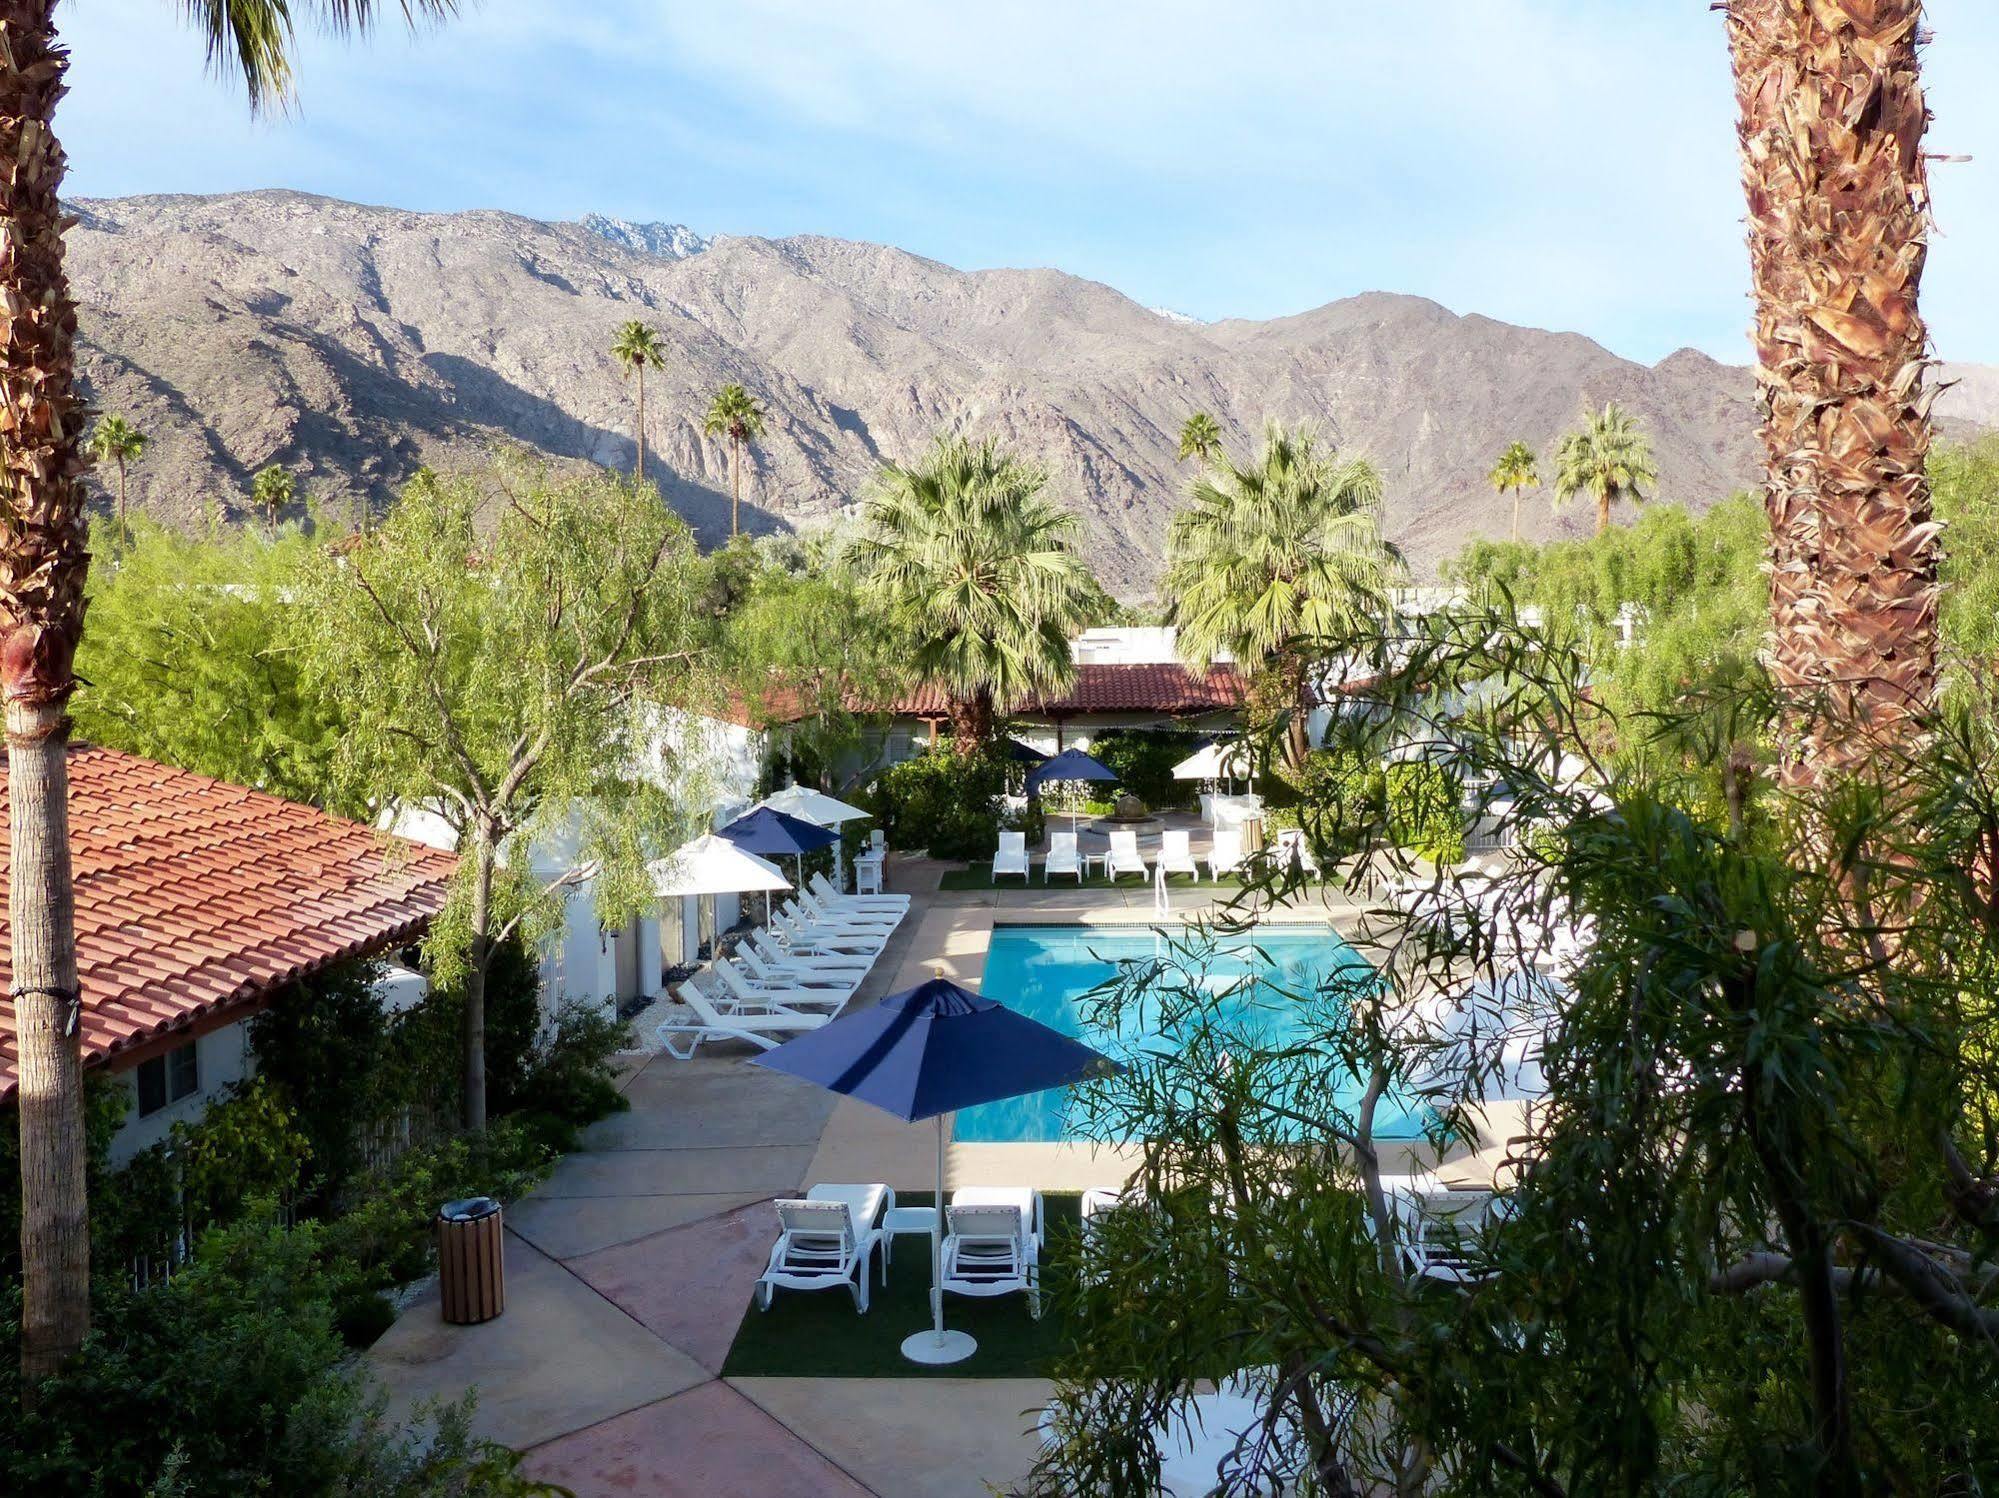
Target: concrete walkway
[[628, 1272]]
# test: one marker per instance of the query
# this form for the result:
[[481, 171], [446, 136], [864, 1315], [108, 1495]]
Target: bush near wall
[[1144, 761], [1426, 811], [945, 802]]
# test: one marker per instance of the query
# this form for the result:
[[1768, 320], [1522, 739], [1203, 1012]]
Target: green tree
[[495, 652], [979, 573], [273, 489], [116, 440], [1608, 458], [1273, 562], [1200, 438], [187, 664], [42, 570], [636, 346], [1513, 472], [735, 415]]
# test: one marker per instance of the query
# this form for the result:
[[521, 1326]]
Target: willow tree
[[637, 347], [1515, 471], [1831, 127], [1606, 459], [1274, 561], [736, 416], [979, 572], [43, 561], [497, 651]]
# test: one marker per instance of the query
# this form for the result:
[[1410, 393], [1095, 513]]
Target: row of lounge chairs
[[790, 978], [1176, 855], [829, 1238]]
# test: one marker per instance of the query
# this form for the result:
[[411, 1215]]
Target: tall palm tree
[[1515, 471], [1273, 561], [981, 574], [42, 564], [1608, 458], [1200, 437], [638, 345], [735, 414], [272, 489], [1831, 124], [116, 440]]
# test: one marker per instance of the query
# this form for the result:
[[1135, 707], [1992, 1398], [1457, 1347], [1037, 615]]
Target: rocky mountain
[[353, 344]]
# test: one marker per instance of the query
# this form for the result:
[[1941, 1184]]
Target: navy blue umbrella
[[766, 833], [1070, 764], [925, 1052], [1022, 753]]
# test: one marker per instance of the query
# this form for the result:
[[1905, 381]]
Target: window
[[167, 1079]]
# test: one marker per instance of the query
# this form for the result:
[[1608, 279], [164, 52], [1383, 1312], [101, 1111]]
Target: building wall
[[222, 1057]]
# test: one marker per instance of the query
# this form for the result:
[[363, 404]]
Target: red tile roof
[[194, 897], [1153, 688]]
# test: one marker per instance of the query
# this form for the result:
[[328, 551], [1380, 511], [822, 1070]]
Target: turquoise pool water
[[1043, 971]]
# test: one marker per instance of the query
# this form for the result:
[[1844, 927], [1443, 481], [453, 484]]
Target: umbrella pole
[[938, 1346]]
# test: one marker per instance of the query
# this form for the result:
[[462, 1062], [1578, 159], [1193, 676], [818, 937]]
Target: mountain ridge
[[354, 343]]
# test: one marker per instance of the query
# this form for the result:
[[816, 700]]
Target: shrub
[[569, 1080], [944, 801], [1340, 800], [327, 1045], [1144, 761], [1426, 811]]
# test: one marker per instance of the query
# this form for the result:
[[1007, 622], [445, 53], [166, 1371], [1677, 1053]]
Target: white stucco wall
[[221, 1057]]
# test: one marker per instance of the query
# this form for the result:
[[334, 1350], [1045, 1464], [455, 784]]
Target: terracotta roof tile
[[194, 896], [1165, 687]]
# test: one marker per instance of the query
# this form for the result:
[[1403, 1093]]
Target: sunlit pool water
[[1043, 971]]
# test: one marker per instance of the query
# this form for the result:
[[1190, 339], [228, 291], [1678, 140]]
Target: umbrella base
[[939, 1347]]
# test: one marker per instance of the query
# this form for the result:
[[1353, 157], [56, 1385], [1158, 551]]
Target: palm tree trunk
[[735, 482], [1831, 128], [1516, 512], [42, 567], [640, 473], [1603, 514], [124, 532], [972, 720]]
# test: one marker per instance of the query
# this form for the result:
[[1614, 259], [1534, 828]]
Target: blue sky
[[1562, 163]]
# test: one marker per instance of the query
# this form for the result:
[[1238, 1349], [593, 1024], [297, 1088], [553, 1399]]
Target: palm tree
[[1274, 561], [43, 560], [980, 573], [1608, 458], [637, 345], [116, 440], [1200, 437], [1831, 124], [272, 489], [1515, 471], [735, 414]]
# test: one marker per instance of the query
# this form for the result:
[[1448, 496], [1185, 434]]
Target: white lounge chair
[[1062, 857], [818, 1248], [767, 974], [754, 995], [992, 1245], [1176, 853], [1225, 857], [1124, 855], [1012, 856], [857, 920], [1290, 847], [868, 1205], [808, 937], [710, 1023], [1440, 1227], [821, 886], [830, 962]]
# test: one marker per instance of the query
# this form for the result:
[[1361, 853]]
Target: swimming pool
[[1043, 971]]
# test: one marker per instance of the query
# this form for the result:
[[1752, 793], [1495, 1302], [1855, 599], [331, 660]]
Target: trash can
[[471, 1271]]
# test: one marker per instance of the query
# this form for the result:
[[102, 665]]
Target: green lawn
[[818, 1334]]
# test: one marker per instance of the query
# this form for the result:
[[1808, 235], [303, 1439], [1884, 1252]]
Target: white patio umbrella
[[822, 810], [1216, 761], [712, 865]]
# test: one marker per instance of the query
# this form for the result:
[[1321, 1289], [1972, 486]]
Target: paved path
[[628, 1272]]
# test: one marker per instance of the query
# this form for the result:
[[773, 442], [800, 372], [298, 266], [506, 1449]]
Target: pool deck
[[630, 1267]]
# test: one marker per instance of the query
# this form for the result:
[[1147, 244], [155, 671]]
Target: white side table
[[868, 874]]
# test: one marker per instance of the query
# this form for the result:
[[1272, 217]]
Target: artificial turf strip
[[818, 1334]]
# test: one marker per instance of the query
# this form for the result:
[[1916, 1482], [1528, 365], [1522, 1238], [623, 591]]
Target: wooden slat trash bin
[[471, 1271]]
